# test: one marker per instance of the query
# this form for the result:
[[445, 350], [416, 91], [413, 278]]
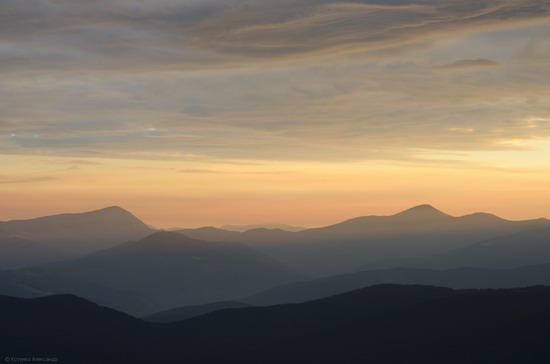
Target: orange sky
[[171, 194]]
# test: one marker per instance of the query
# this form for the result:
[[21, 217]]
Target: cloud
[[16, 179], [468, 64], [7, 124], [147, 35], [237, 80], [198, 171], [84, 162]]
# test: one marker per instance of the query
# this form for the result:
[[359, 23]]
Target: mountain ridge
[[380, 324], [456, 278], [174, 270], [371, 241], [82, 232], [36, 282]]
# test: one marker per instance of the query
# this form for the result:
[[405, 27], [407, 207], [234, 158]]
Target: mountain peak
[[81, 232], [114, 213], [423, 211], [112, 210]]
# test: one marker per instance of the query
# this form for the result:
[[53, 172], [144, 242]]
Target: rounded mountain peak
[[423, 211]]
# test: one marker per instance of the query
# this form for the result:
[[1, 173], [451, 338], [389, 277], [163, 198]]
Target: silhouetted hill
[[275, 323], [187, 312], [454, 278], [491, 326], [81, 232], [6, 231], [514, 250], [372, 241], [17, 252], [72, 330], [243, 228], [174, 270], [422, 212], [380, 324], [230, 332], [31, 283]]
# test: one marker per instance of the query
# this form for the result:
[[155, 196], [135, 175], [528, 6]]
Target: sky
[[306, 112]]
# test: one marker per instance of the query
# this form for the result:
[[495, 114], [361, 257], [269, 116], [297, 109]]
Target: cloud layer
[[170, 34], [253, 79]]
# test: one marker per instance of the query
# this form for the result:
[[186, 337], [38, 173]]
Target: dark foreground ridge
[[187, 312], [379, 324], [460, 278]]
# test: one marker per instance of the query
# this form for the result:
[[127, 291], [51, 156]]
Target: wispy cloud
[[468, 64], [156, 35], [84, 162], [257, 80], [198, 171], [18, 179]]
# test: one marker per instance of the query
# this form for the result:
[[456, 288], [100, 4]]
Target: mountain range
[[36, 282], [173, 270], [514, 250], [59, 237], [376, 241], [166, 270], [418, 237], [303, 291], [414, 287], [380, 324], [459, 278], [17, 252]]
